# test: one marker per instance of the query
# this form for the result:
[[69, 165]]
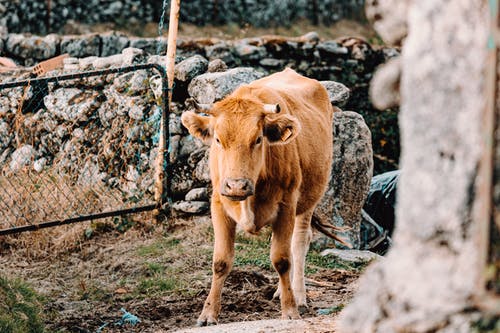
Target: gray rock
[[113, 43], [337, 92], [174, 148], [189, 145], [191, 207], [133, 55], [174, 125], [104, 62], [81, 46], [220, 51], [150, 45], [187, 69], [182, 182], [197, 194], [352, 256], [351, 175], [6, 134], [331, 48], [249, 52], [71, 104], [217, 65], [310, 37], [136, 112], [202, 170], [22, 156], [33, 47], [272, 63], [211, 87]]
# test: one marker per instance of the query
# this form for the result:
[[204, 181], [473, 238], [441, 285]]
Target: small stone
[[197, 194], [352, 256], [250, 52], [310, 37], [220, 51], [136, 112], [39, 164], [22, 156], [191, 207], [272, 63], [187, 69], [331, 48], [175, 125], [132, 174], [78, 134], [111, 61], [189, 144], [202, 170], [217, 65], [337, 92]]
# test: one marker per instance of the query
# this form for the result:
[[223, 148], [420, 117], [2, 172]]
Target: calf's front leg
[[224, 231]]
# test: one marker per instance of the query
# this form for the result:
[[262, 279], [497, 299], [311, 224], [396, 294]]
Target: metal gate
[[82, 146]]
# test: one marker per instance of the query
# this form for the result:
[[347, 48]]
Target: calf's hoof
[[303, 309], [206, 321], [290, 314]]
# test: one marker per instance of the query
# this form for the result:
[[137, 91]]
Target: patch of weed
[[20, 308]]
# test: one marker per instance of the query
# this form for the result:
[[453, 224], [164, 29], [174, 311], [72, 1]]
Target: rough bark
[[429, 278]]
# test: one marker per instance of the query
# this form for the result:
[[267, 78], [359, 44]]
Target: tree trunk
[[430, 276]]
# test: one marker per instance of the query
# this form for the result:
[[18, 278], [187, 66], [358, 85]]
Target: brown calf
[[270, 159]]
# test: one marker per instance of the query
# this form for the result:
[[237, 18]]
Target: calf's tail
[[329, 230]]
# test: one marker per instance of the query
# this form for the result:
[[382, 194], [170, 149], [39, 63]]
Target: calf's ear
[[197, 125], [282, 129]]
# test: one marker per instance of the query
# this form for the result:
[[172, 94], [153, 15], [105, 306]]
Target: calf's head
[[240, 131]]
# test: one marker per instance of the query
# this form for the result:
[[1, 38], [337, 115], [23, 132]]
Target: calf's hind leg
[[302, 235], [281, 259]]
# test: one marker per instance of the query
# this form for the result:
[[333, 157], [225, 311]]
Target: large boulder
[[337, 92], [32, 47], [350, 177], [191, 67], [211, 87], [81, 46]]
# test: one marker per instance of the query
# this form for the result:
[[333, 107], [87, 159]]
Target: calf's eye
[[258, 141]]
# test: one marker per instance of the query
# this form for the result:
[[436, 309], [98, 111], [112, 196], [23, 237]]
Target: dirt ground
[[160, 277]]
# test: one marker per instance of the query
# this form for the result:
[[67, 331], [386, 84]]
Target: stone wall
[[34, 17], [104, 130], [349, 61]]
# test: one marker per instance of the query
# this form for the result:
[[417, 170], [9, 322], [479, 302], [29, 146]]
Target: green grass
[[315, 262], [252, 251], [20, 308], [158, 248]]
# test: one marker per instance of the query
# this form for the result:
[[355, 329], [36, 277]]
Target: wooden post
[[164, 132]]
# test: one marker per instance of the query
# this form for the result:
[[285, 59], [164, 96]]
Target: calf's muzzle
[[237, 189]]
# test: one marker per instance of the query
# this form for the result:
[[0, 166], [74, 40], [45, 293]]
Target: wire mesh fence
[[80, 146]]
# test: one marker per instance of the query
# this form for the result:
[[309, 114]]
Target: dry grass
[[28, 197]]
